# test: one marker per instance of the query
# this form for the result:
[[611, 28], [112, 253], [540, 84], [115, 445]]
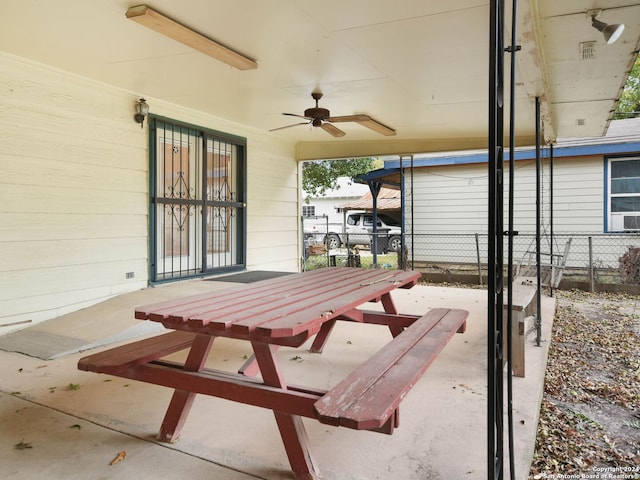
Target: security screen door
[[197, 201]]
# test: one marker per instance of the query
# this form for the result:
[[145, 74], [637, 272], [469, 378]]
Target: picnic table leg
[[322, 336], [182, 400], [326, 328], [294, 436], [250, 368], [389, 307]]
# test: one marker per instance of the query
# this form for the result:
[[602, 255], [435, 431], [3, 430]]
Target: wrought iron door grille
[[197, 201]]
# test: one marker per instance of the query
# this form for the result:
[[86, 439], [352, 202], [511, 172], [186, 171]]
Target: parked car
[[357, 231]]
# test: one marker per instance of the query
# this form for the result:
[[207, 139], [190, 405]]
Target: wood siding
[[453, 199], [74, 192]]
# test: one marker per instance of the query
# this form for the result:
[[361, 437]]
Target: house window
[[308, 211], [197, 201], [624, 194]]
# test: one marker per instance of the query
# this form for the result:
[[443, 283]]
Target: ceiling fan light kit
[[321, 117]]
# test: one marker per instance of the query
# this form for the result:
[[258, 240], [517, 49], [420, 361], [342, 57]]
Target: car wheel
[[333, 241], [395, 243]]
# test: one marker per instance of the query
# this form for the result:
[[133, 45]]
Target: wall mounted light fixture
[[142, 109], [611, 32]]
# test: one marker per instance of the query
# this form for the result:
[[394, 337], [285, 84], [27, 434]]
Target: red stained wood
[[370, 395], [182, 400], [285, 310], [118, 359], [238, 388], [219, 302]]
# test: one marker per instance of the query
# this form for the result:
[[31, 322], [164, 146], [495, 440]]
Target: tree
[[629, 104], [322, 175]]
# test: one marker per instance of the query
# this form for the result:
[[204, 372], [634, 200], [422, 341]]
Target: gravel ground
[[590, 417]]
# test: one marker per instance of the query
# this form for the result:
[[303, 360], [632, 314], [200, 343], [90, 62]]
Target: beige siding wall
[[578, 184], [273, 208], [74, 192], [579, 195], [448, 199], [453, 199]]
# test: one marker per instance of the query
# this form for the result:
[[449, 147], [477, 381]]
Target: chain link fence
[[587, 260]]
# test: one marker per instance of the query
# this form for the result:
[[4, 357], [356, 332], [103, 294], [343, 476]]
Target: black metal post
[[495, 259], [478, 259], [413, 249], [551, 209], [403, 226], [375, 190], [513, 48], [592, 279], [538, 221]]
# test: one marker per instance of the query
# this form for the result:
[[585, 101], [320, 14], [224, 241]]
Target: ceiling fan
[[321, 117]]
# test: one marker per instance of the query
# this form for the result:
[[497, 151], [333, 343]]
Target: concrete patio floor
[[76, 423]]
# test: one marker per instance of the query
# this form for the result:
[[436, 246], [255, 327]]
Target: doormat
[[249, 277]]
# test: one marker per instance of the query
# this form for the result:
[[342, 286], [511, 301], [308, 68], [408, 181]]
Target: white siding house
[[329, 203], [448, 195], [74, 192], [453, 198]]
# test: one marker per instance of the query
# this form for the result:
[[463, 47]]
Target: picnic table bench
[[287, 311], [523, 311]]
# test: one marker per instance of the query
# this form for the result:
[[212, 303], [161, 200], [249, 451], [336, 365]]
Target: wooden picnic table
[[287, 311]]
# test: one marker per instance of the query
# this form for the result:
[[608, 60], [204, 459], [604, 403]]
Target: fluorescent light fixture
[[148, 17]]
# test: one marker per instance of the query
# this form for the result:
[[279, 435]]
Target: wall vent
[[587, 50]]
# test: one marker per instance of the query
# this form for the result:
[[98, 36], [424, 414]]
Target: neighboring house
[[388, 201], [596, 189], [324, 220], [348, 196], [329, 203]]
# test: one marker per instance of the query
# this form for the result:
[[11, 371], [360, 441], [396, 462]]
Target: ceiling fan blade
[[296, 115], [365, 121], [289, 126], [332, 129]]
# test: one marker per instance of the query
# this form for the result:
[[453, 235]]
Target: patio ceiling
[[417, 66]]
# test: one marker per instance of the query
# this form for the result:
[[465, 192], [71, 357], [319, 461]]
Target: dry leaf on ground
[[592, 387], [119, 458]]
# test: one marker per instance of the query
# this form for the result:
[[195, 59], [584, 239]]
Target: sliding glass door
[[197, 201]]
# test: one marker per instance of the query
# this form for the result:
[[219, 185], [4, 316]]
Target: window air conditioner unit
[[625, 222]]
